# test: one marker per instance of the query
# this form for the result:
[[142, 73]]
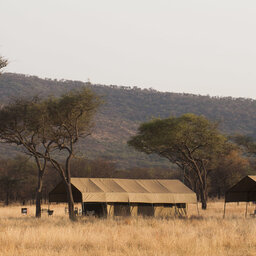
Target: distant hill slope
[[125, 108]]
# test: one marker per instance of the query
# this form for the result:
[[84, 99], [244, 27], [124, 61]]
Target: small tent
[[243, 191], [109, 197]]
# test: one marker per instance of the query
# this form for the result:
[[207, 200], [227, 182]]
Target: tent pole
[[246, 209], [130, 209], [82, 207], [224, 210]]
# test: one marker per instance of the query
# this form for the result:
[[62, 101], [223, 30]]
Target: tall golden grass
[[208, 234]]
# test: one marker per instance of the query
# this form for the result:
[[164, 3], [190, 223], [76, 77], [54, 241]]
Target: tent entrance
[[95, 209], [122, 209], [146, 209]]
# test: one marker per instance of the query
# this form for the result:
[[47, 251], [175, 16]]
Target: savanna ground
[[208, 234]]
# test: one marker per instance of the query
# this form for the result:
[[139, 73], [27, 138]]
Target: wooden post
[[224, 210], [153, 209], [246, 209]]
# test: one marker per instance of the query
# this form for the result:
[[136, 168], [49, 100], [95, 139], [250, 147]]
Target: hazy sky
[[194, 46]]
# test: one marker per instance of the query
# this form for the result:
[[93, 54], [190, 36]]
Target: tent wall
[[163, 211], [157, 210], [110, 210], [134, 209], [122, 209], [146, 210], [240, 196], [181, 210], [168, 210]]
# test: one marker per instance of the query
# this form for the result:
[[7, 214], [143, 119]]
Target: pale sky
[[193, 46]]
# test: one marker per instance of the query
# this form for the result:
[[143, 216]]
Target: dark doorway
[[95, 209], [146, 210], [122, 209]]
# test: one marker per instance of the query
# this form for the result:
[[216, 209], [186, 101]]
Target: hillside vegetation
[[125, 108]]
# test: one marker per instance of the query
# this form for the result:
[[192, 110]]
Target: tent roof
[[131, 190], [243, 191]]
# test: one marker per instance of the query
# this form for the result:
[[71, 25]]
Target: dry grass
[[209, 234]]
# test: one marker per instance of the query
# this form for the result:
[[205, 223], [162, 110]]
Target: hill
[[125, 108]]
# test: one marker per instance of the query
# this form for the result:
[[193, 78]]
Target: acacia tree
[[48, 130], [69, 118], [23, 123], [191, 142]]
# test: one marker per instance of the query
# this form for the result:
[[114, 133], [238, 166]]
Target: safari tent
[[119, 197], [243, 191]]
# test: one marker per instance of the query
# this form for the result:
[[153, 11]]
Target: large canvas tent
[[107, 196]]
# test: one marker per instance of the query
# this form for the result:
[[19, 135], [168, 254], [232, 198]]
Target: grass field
[[207, 234]]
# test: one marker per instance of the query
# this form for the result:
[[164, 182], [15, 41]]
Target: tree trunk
[[39, 194], [7, 197], [71, 203], [204, 201], [203, 195], [65, 176], [204, 190]]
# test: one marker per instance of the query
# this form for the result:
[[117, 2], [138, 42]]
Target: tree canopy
[[69, 118], [191, 142]]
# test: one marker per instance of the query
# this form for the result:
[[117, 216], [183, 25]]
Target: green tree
[[191, 142], [69, 118], [23, 123]]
